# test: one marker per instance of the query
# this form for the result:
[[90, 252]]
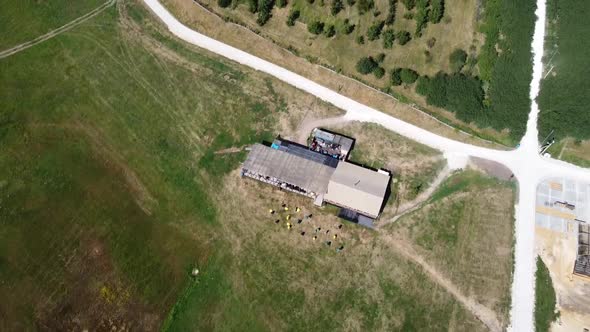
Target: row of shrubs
[[456, 92]]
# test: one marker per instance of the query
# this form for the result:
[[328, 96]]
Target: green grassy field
[[466, 230], [563, 99], [111, 192], [545, 300], [26, 19]]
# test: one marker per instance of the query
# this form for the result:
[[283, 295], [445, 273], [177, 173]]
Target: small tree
[[380, 57], [395, 77], [351, 2], [330, 31], [347, 27], [457, 60], [403, 37], [360, 39], [421, 16], [374, 31], [437, 10], [337, 6], [293, 16], [264, 11], [316, 27], [379, 72], [408, 76], [388, 38], [365, 6], [366, 65], [282, 3], [224, 3], [253, 6], [391, 13], [410, 4]]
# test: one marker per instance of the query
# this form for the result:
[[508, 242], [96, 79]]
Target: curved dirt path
[[56, 32], [416, 203], [487, 316]]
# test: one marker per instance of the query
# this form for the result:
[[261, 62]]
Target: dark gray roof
[[308, 173], [305, 152]]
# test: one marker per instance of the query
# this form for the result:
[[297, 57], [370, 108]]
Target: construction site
[[322, 172], [563, 238]]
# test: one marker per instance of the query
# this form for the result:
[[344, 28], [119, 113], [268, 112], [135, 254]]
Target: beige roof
[[357, 188], [296, 170]]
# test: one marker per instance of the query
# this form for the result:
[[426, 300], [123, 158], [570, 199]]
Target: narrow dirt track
[[483, 313], [56, 32], [408, 207]]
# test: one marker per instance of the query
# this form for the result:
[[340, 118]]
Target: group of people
[[285, 208]]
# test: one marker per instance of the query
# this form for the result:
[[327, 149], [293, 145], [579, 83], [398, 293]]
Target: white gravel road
[[527, 165]]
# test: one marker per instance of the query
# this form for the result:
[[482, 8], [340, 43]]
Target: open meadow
[[119, 175]]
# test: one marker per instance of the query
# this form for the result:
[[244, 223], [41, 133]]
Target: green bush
[[224, 3], [388, 38], [457, 60], [565, 97], [264, 11], [347, 28], [379, 72], [365, 6], [408, 76], [293, 16], [403, 37], [437, 10], [337, 6], [366, 65], [391, 12], [360, 40], [395, 77], [410, 4], [282, 3], [351, 2], [330, 31], [545, 299], [253, 6], [434, 89], [457, 93], [421, 16], [380, 57], [511, 73], [374, 31], [316, 27]]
